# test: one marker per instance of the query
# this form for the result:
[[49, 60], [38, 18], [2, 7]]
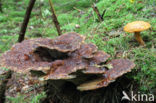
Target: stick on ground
[[100, 18], [26, 20], [57, 25]]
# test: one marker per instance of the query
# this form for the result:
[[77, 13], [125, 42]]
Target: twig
[[100, 18], [26, 20], [77, 9], [57, 25], [103, 14]]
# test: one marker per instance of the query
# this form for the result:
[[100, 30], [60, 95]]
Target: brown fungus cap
[[120, 67], [87, 50], [136, 26], [94, 66], [35, 54], [99, 57], [94, 70], [76, 61], [65, 43], [21, 59], [63, 58], [64, 68]]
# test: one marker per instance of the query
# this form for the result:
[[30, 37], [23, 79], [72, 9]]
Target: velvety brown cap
[[63, 68], [21, 58], [85, 59], [32, 54], [99, 57], [120, 67], [137, 26], [94, 70], [87, 50], [65, 43]]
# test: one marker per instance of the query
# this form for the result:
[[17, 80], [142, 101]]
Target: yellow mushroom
[[136, 27]]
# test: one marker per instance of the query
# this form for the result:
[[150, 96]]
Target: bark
[[26, 20], [54, 17]]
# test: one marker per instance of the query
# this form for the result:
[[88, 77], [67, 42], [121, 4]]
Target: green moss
[[24, 99]]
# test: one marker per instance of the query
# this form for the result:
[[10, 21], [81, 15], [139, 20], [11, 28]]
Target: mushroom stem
[[138, 38]]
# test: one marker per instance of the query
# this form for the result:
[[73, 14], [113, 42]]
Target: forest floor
[[78, 16]]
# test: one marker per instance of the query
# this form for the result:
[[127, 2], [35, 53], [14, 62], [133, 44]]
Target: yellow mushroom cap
[[136, 26]]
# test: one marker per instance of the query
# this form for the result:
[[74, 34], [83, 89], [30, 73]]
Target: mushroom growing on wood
[[83, 59], [39, 54], [136, 27], [120, 67], [66, 59], [21, 59], [65, 43]]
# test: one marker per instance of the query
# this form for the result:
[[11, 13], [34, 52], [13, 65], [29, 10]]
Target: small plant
[[18, 99], [38, 98], [23, 98]]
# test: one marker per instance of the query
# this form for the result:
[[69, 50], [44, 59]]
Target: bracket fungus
[[66, 43], [61, 58], [119, 67], [136, 27]]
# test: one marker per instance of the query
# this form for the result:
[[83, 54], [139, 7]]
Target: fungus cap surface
[[99, 57], [120, 67], [64, 69], [23, 56], [137, 26], [87, 50], [21, 59], [65, 43], [94, 70]]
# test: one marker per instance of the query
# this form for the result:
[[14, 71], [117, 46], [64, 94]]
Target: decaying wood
[[26, 20], [57, 25]]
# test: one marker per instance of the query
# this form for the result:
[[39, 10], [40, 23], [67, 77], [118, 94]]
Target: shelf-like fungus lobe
[[85, 58], [87, 50], [65, 43], [120, 67], [94, 63], [65, 68], [21, 58], [62, 58], [94, 70], [38, 54], [99, 57]]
